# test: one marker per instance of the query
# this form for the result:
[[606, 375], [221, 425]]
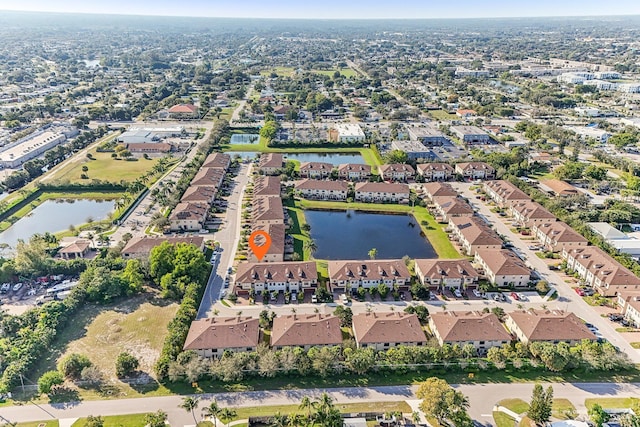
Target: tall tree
[[541, 402], [442, 402], [598, 415], [190, 404], [212, 411]]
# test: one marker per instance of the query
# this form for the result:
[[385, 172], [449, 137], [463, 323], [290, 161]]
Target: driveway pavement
[[567, 298], [228, 236]]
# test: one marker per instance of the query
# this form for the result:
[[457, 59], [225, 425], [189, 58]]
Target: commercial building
[[471, 134], [15, 154], [349, 132], [428, 136], [415, 150]]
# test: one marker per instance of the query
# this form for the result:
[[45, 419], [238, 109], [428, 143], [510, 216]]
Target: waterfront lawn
[[138, 325], [299, 236], [102, 167], [132, 420], [435, 232]]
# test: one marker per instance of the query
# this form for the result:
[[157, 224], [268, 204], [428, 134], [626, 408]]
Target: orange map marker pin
[[259, 250]]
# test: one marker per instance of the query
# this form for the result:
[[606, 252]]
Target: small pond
[[244, 138], [333, 158], [351, 234], [56, 215]]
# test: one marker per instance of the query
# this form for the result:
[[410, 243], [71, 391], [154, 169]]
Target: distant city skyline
[[332, 9]]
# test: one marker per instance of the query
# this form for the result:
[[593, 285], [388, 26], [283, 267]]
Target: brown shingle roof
[[143, 245], [396, 167], [503, 262], [456, 326], [217, 160], [263, 272], [559, 187], [271, 160], [368, 270], [306, 330], [551, 326], [208, 176], [396, 327], [450, 268], [434, 167], [199, 193], [267, 208], [439, 189], [476, 231], [382, 187], [222, 333], [314, 184], [452, 205], [266, 185]]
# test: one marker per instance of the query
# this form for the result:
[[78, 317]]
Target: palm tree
[[306, 404], [190, 404], [278, 420], [226, 415], [311, 246], [373, 253], [212, 411]]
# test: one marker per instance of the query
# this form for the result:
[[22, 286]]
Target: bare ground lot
[[137, 325]]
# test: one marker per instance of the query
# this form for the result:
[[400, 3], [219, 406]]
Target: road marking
[[486, 415]]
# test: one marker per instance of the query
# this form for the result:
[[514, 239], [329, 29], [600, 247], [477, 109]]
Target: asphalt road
[[482, 398], [228, 236], [567, 298]]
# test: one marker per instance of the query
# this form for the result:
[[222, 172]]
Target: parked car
[[457, 293], [579, 291], [17, 287], [522, 297], [589, 292], [344, 299], [476, 293], [515, 296], [5, 287], [314, 298], [294, 297], [615, 317]]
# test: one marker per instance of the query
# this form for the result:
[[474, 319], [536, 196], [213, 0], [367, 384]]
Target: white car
[[522, 297], [344, 299], [314, 298], [17, 287], [476, 293], [457, 293], [5, 287]]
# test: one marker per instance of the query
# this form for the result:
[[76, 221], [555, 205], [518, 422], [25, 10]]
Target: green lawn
[[347, 72], [281, 71], [635, 345], [613, 402], [502, 420], [47, 423], [299, 237], [133, 420], [518, 406], [442, 115], [102, 167], [560, 408]]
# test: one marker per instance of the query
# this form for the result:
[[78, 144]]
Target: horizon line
[[317, 19]]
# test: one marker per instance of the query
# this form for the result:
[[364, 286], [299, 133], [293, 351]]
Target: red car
[[579, 291], [515, 296]]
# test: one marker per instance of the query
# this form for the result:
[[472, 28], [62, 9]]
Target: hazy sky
[[338, 9]]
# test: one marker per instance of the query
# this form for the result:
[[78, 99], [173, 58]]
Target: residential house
[[298, 276], [475, 170], [377, 192], [382, 331], [212, 177], [503, 268], [465, 114], [276, 250], [447, 207], [140, 247], [183, 111], [397, 172], [271, 163], [548, 326], [265, 185], [213, 336], [351, 275], [435, 171], [504, 193], [188, 216], [629, 303], [267, 210], [354, 171], [199, 194], [556, 187], [446, 273], [471, 134], [482, 330], [473, 234], [305, 331], [530, 213], [322, 190], [439, 189], [217, 160], [599, 270], [315, 170], [557, 236]]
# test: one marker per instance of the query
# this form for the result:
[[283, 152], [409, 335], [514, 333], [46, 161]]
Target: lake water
[[244, 138], [244, 154], [333, 158], [351, 234], [56, 215]]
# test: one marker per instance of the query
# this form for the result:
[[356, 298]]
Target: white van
[[44, 298]]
